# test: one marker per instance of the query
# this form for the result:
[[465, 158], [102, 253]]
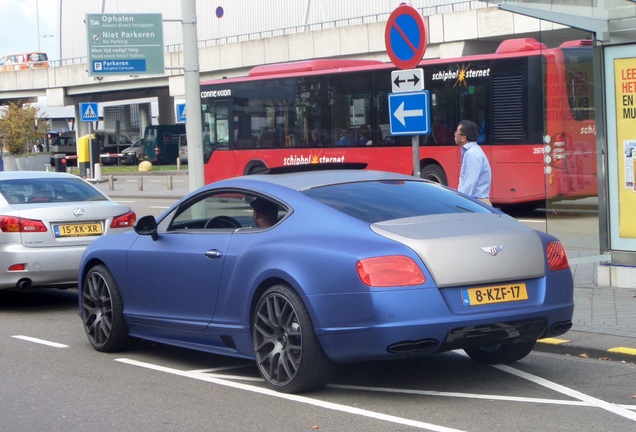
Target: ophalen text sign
[[125, 44]]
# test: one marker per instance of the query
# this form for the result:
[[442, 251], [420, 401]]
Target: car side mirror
[[147, 225]]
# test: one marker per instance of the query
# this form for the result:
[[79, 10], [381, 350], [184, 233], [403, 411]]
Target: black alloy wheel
[[288, 354], [102, 312]]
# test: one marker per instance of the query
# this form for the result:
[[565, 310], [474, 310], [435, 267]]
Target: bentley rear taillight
[[395, 270], [557, 258]]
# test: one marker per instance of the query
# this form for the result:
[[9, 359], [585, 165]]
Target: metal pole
[[90, 149], [415, 143], [194, 126]]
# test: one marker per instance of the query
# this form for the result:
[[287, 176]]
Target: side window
[[226, 211]]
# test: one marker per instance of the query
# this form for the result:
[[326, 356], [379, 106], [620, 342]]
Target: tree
[[19, 126]]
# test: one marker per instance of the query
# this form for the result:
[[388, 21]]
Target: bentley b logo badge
[[492, 250]]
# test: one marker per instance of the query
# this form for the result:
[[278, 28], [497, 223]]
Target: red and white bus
[[534, 105]]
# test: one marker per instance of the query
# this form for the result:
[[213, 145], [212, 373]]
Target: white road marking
[[41, 341], [570, 392], [531, 221], [294, 398], [460, 395], [221, 369], [616, 409], [210, 375]]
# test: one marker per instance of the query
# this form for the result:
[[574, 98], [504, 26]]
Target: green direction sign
[[125, 44]]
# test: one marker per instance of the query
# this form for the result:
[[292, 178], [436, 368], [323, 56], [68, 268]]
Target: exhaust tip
[[560, 327], [24, 283]]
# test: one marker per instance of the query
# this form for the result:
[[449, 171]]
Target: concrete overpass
[[450, 35]]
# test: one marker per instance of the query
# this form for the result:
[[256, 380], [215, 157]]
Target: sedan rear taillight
[[12, 224], [124, 221], [557, 258], [396, 270]]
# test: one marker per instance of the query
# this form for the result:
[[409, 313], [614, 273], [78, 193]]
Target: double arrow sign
[[408, 104], [407, 80]]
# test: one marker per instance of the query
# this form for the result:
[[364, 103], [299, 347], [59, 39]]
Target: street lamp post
[[46, 42]]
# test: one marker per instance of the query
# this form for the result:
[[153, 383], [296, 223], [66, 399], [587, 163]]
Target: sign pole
[[90, 150], [405, 39], [415, 143], [194, 124]]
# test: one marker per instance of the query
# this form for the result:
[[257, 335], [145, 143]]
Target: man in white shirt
[[475, 176]]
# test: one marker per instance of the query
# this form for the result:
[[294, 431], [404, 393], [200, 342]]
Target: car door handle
[[213, 253]]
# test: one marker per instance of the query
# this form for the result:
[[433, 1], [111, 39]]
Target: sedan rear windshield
[[377, 201], [43, 190]]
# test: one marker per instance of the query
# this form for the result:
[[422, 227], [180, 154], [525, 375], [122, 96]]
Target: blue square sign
[[410, 113], [88, 112]]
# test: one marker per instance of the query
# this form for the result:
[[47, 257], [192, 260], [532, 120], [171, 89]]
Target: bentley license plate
[[494, 294], [78, 230]]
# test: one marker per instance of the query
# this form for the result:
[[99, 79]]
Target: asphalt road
[[53, 380]]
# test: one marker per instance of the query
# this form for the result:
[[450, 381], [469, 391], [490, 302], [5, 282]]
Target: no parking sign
[[405, 37]]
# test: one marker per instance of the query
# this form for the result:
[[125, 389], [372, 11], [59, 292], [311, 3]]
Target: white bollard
[[98, 171]]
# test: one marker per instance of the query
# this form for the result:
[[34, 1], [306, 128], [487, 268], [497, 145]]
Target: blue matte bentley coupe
[[301, 271]]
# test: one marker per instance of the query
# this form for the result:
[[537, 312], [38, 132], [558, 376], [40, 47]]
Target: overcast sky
[[19, 26]]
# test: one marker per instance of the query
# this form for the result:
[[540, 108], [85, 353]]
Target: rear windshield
[[377, 201], [42, 190]]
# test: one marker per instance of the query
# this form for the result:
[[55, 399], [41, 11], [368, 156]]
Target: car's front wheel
[[102, 312], [501, 353], [288, 354]]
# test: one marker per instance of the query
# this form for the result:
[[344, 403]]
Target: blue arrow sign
[[410, 113], [181, 113], [88, 111]]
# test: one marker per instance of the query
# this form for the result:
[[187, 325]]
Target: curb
[[591, 345]]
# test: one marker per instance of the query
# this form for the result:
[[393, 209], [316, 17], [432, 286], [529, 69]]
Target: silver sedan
[[46, 221]]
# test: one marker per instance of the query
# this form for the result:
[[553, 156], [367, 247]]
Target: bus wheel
[[254, 168], [434, 173]]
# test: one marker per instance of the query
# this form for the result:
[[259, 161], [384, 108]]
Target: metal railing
[[459, 6]]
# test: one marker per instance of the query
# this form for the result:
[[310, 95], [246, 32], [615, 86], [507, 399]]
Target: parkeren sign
[[125, 44]]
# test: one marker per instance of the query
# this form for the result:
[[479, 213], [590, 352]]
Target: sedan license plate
[[494, 294], [78, 230]]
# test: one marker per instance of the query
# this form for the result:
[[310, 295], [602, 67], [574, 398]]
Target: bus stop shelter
[[612, 27]]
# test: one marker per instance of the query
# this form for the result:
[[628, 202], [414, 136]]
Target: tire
[[102, 312], [434, 173], [254, 167], [288, 354], [504, 353]]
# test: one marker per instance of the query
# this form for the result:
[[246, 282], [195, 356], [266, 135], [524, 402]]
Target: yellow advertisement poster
[[625, 79]]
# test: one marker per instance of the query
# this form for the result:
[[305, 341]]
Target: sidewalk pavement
[[604, 321]]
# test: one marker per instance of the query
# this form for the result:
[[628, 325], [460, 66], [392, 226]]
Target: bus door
[[216, 128]]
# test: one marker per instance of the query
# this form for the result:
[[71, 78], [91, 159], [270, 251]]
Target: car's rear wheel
[[288, 354], [102, 312], [501, 353]]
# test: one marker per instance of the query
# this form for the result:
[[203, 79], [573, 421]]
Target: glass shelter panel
[[571, 155]]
